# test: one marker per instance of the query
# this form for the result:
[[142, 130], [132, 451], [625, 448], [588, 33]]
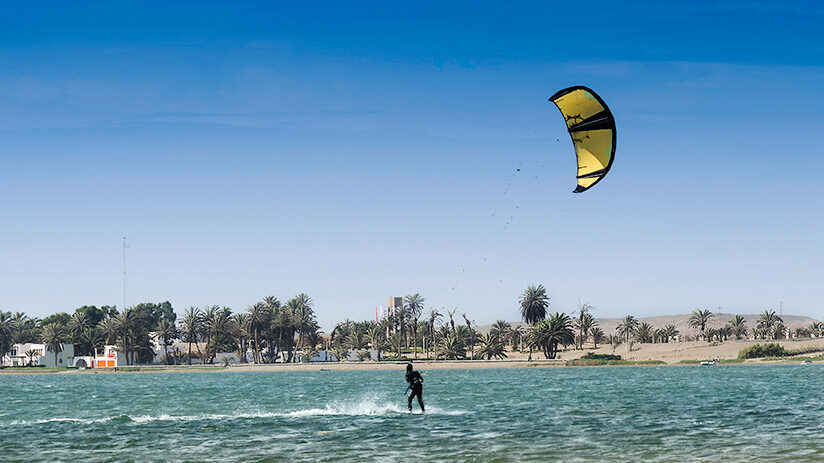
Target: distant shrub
[[589, 362], [767, 350], [805, 350], [594, 356]]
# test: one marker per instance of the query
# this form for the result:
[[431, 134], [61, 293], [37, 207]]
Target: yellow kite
[[592, 128]]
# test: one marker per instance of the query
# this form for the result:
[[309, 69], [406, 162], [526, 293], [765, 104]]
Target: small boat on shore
[[709, 362], [806, 362]]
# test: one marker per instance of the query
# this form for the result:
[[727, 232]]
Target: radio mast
[[124, 274]]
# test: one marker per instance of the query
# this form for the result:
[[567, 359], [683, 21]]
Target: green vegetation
[[738, 327], [533, 302], [627, 328], [594, 356], [770, 326], [804, 350], [593, 359], [582, 362], [492, 347], [766, 350], [551, 334]]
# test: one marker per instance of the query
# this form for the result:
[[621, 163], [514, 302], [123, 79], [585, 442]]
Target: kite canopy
[[592, 128]]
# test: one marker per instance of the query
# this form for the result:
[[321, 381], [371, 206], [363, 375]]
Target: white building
[[329, 356], [108, 357], [38, 355]]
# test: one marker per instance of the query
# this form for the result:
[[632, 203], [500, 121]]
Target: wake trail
[[363, 407]]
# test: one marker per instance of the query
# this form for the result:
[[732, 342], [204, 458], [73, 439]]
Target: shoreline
[[377, 366]]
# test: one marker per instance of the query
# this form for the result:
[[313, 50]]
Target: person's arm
[[420, 377]]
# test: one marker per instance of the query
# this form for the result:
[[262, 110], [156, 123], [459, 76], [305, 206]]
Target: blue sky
[[356, 151]]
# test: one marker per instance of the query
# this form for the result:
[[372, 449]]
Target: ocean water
[[650, 414]]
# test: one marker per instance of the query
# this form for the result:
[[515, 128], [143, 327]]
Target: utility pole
[[124, 274]]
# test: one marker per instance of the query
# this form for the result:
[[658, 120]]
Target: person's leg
[[420, 400], [411, 395]]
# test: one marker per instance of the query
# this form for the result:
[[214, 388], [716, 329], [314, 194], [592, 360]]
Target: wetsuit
[[415, 388]]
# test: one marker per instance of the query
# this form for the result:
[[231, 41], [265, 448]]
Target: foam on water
[[367, 406]]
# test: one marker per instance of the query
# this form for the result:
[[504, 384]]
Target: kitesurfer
[[415, 381]]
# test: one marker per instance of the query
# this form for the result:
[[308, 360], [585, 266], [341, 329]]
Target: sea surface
[[650, 414]]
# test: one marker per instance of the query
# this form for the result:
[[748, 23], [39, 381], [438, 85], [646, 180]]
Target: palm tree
[[53, 336], [303, 315], [23, 328], [471, 336], [614, 340], [516, 334], [501, 329], [739, 326], [31, 355], [597, 335], [109, 330], [395, 343], [627, 327], [208, 327], [583, 322], [491, 347], [552, 332], [93, 338], [413, 305], [699, 320], [241, 335], [190, 328], [284, 322], [779, 331], [767, 322], [127, 324], [6, 328], [376, 338], [355, 339], [725, 332], [340, 352], [451, 314], [644, 333], [166, 332], [668, 332], [452, 347], [534, 303], [434, 316], [257, 319], [78, 324], [816, 329]]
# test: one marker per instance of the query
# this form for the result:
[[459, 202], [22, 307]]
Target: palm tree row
[[769, 326], [88, 328], [403, 329], [271, 330], [267, 329]]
